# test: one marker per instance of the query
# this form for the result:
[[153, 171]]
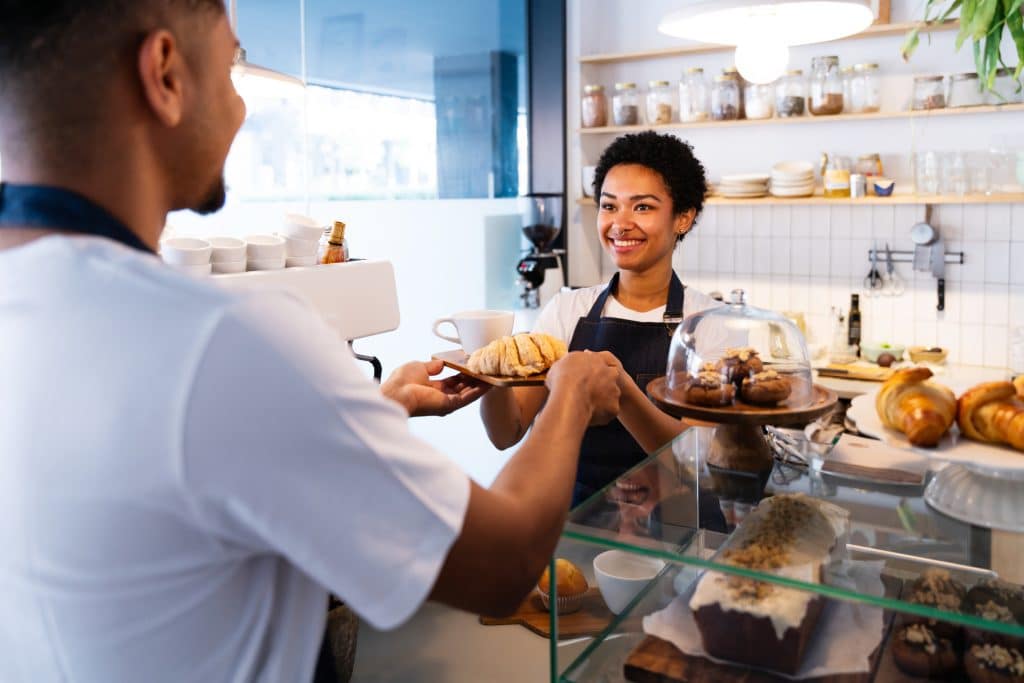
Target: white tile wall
[[808, 258]]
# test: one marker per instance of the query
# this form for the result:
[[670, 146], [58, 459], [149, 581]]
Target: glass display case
[[894, 572]]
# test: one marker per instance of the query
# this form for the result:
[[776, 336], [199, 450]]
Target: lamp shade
[[786, 22]]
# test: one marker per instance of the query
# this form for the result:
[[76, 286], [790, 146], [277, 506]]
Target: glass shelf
[[672, 506]]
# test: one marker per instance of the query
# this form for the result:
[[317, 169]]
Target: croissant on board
[[520, 355], [922, 410], [993, 412], [1018, 383]]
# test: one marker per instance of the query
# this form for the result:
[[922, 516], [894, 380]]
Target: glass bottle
[[854, 321], [791, 94], [659, 102], [693, 96], [835, 175], [866, 89], [826, 86], [593, 107], [336, 248], [626, 105], [725, 99]]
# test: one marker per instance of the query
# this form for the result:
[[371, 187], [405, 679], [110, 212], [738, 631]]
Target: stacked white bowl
[[264, 252], [744, 185], [228, 254], [793, 179], [302, 237], [187, 254]]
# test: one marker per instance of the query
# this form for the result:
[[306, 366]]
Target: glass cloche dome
[[739, 355]]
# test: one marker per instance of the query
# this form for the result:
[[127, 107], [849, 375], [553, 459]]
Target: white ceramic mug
[[476, 329]]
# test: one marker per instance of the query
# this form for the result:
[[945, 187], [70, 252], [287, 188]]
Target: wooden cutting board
[[457, 360], [868, 373], [659, 661], [590, 620]]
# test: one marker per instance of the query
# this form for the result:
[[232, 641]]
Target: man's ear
[[161, 68]]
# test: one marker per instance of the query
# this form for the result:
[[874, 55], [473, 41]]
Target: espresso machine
[[540, 271]]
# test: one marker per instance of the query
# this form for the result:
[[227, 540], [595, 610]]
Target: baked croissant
[[520, 355], [1018, 383], [922, 410], [992, 412]]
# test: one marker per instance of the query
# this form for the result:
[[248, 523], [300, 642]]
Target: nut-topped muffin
[[738, 363], [709, 388], [765, 388]]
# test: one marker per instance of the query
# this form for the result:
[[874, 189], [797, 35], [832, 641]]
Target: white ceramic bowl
[[265, 264], [299, 261], [301, 227], [296, 247], [185, 251], [226, 249], [201, 270], [621, 575], [224, 267], [793, 168], [870, 351], [262, 247]]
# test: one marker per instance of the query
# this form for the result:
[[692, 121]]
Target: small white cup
[[226, 249], [299, 248], [262, 247], [299, 261], [477, 329], [265, 264], [226, 267], [621, 575], [301, 227], [185, 251]]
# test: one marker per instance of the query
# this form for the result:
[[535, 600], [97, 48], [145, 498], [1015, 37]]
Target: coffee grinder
[[542, 222]]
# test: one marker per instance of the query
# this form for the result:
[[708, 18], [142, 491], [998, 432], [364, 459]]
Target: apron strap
[[39, 206], [598, 308]]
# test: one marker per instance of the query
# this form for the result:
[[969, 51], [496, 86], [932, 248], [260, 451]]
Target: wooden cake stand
[[739, 443]]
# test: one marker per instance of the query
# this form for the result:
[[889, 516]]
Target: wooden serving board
[[858, 372], [590, 620], [659, 661], [823, 400], [458, 359]]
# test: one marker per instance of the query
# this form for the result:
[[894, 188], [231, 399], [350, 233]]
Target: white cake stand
[[983, 484]]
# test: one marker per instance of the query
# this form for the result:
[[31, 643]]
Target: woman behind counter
[[650, 190]]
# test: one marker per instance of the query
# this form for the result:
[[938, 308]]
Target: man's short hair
[[55, 53], [669, 157]]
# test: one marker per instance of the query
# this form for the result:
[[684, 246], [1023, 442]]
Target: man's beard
[[214, 200]]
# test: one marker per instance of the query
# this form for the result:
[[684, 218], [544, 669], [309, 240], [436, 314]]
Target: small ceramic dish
[[301, 227], [925, 354], [883, 186]]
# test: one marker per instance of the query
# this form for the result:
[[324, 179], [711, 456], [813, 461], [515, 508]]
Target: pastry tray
[[458, 360]]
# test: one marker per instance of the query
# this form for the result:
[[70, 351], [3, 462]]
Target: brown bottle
[[336, 248]]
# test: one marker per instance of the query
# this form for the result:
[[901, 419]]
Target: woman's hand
[[412, 386]]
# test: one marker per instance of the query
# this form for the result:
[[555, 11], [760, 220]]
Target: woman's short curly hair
[[670, 157]]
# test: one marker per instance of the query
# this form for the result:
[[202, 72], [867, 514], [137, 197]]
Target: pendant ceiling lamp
[[764, 30], [253, 77]]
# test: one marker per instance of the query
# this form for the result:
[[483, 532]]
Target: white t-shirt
[[187, 472], [560, 315]]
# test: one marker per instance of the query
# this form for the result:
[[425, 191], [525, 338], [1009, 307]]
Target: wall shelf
[[874, 116], [819, 200], [874, 31]]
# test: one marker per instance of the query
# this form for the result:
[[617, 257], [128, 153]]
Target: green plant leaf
[[983, 17], [1015, 25], [967, 13], [910, 43], [949, 11], [991, 60]]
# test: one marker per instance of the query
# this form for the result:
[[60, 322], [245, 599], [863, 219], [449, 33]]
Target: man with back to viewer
[[168, 513]]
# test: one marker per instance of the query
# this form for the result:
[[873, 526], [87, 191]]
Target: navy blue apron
[[642, 348], [54, 208]]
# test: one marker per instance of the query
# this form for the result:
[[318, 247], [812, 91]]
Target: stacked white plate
[[744, 185], [793, 179]]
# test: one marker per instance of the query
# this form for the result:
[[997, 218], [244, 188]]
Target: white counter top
[[958, 377]]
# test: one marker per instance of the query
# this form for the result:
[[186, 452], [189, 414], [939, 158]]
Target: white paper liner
[[846, 635]]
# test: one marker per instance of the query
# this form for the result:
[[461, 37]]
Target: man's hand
[[594, 379], [411, 386]]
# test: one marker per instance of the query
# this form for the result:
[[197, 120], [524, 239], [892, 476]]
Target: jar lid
[[927, 79], [965, 76], [731, 70], [625, 86], [828, 59], [593, 88], [725, 78], [870, 66], [695, 70], [657, 84], [868, 157], [846, 70], [795, 72]]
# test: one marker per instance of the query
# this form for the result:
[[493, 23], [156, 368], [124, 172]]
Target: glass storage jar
[[1006, 89], [693, 96], [846, 73], [593, 107], [791, 94], [964, 90], [865, 89], [741, 83], [758, 101], [626, 105], [659, 102], [826, 86], [929, 92], [835, 175], [725, 99]]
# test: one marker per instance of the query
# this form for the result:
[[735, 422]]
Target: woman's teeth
[[625, 243]]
